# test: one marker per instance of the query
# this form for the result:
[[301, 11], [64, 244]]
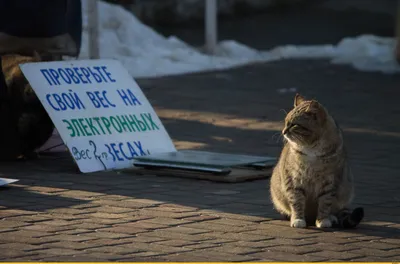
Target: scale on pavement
[[110, 128], [218, 163]]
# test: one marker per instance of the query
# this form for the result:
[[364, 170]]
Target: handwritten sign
[[102, 115]]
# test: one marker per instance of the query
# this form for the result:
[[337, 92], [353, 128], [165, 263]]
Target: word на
[[106, 125], [77, 75]]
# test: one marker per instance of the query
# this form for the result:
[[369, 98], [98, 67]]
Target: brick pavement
[[54, 214]]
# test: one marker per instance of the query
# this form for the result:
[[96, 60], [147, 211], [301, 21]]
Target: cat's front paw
[[298, 223], [323, 223]]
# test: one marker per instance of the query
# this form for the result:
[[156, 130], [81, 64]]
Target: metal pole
[[93, 28], [397, 33], [211, 34]]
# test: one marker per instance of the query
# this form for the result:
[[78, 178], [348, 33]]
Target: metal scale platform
[[203, 161]]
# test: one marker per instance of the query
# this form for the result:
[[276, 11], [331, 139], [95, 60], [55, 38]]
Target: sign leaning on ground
[[100, 112]]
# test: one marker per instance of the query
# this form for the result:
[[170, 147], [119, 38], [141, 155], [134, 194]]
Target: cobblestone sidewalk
[[54, 214]]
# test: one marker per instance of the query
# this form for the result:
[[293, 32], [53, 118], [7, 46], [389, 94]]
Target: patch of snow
[[145, 53]]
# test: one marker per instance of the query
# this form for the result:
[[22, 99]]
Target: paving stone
[[80, 194], [227, 248], [142, 238], [202, 255], [30, 218], [14, 212], [142, 225], [138, 247], [122, 230], [114, 209], [295, 249], [111, 221], [57, 222], [47, 228], [199, 218], [125, 203], [336, 255], [71, 238], [108, 215], [203, 245], [60, 252], [20, 259], [285, 256], [25, 233], [376, 252], [252, 244], [233, 222], [114, 249], [374, 259], [210, 225], [67, 211], [13, 253], [98, 256], [158, 213], [335, 247], [87, 226], [77, 231], [391, 241], [12, 224], [186, 229], [110, 234], [146, 254], [180, 236], [21, 246], [176, 243], [376, 245], [166, 221]]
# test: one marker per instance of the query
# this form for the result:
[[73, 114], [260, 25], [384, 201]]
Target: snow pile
[[145, 53]]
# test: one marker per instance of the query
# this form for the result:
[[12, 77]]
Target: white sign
[[100, 112]]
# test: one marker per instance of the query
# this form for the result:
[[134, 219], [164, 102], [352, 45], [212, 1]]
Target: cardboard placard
[[100, 112]]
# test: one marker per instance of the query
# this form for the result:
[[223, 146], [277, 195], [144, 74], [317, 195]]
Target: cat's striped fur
[[312, 182]]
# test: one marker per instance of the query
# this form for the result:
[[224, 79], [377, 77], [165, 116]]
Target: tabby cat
[[312, 181], [25, 124]]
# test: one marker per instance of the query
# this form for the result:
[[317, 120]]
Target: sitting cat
[[312, 181], [25, 123]]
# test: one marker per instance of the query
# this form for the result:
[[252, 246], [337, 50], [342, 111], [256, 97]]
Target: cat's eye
[[300, 127]]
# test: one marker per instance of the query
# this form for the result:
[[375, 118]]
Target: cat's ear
[[314, 105], [298, 99], [317, 109]]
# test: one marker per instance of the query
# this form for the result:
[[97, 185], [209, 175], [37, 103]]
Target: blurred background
[[172, 33]]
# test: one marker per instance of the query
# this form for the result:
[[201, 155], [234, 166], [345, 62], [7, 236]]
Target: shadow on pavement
[[358, 100]]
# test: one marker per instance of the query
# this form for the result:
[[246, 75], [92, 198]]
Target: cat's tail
[[349, 219]]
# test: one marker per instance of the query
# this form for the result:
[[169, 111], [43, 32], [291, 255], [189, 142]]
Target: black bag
[[51, 27]]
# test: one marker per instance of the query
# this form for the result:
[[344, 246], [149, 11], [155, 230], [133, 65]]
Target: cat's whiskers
[[278, 135]]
